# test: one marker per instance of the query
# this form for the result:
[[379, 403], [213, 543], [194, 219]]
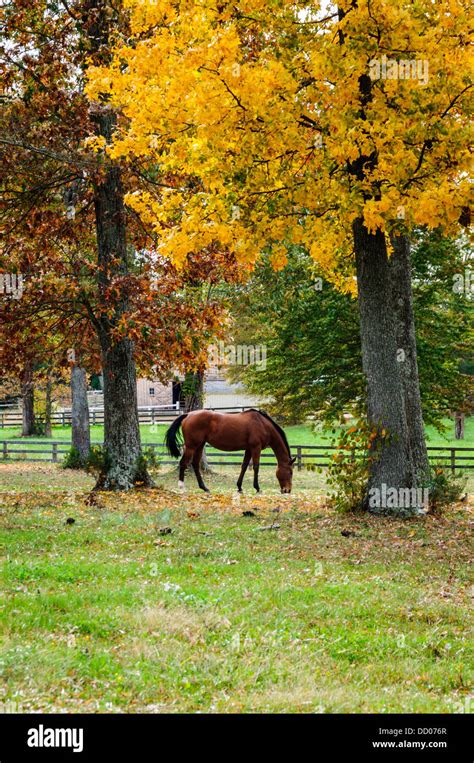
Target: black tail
[[171, 437]]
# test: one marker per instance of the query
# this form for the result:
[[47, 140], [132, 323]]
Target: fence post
[[93, 418], [299, 460], [3, 423], [55, 452], [453, 460], [5, 450]]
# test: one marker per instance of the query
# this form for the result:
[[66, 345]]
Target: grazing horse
[[251, 431]]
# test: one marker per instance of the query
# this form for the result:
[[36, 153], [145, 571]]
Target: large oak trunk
[[392, 466], [81, 439], [402, 295], [124, 466]]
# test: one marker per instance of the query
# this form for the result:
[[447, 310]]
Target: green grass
[[302, 434], [107, 614]]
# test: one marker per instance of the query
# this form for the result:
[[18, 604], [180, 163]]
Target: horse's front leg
[[196, 462], [186, 458], [256, 466], [245, 464]]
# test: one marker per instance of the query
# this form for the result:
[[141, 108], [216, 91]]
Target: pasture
[[156, 601], [301, 434]]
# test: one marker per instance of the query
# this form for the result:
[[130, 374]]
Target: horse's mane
[[277, 427]]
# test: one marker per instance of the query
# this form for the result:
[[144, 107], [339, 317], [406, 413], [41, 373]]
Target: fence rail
[[146, 415], [454, 458]]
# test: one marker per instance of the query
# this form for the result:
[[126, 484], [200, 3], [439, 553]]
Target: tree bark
[[193, 391], [402, 295], [28, 399], [392, 465], [124, 466], [81, 439]]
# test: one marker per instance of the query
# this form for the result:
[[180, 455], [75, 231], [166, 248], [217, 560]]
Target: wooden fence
[[454, 458], [148, 415]]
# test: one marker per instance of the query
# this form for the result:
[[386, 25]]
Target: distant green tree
[[311, 332]]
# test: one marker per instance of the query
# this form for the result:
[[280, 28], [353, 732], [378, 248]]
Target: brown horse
[[251, 431]]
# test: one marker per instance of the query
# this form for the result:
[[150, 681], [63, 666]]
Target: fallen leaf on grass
[[91, 500]]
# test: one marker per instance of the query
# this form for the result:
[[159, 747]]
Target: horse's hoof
[[181, 487]]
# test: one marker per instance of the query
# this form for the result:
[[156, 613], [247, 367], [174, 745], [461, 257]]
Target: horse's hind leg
[[196, 461], [256, 466], [186, 459], [245, 464]]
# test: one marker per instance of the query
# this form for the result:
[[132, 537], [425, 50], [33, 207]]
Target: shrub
[[98, 460], [148, 460], [444, 488], [348, 473], [73, 459], [39, 427]]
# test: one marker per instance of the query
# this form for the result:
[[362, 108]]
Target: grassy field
[[303, 434], [323, 612]]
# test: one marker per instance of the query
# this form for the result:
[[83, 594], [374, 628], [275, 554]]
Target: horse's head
[[284, 475]]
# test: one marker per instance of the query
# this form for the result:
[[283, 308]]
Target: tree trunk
[[81, 438], [391, 467], [48, 408], [402, 295], [28, 399], [193, 401], [193, 389], [124, 466], [459, 425]]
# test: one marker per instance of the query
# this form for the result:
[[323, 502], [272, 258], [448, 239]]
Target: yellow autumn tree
[[335, 127]]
